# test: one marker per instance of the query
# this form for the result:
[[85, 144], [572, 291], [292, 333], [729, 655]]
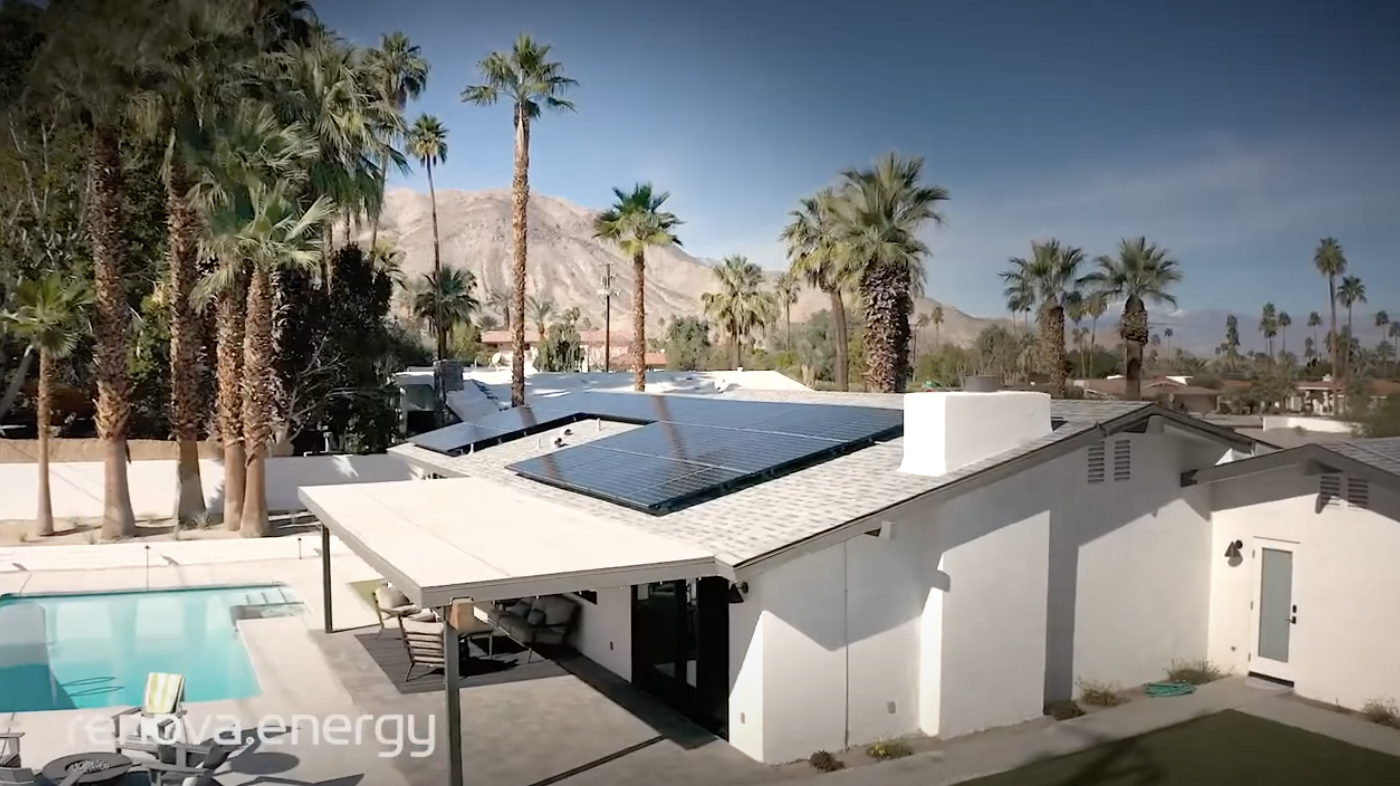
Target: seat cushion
[[516, 628], [558, 610], [388, 598], [521, 608]]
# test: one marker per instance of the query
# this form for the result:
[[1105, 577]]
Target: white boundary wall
[[77, 486]]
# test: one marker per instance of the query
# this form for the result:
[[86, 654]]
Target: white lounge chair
[[390, 603], [159, 718]]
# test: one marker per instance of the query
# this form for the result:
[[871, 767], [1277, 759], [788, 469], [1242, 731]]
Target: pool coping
[[203, 587]]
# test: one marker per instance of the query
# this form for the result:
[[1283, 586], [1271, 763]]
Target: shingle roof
[[1377, 460], [752, 522], [1382, 453]]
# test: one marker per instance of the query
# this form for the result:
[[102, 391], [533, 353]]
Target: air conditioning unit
[[450, 372]]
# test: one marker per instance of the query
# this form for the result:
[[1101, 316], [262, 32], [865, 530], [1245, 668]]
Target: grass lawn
[[1226, 748]]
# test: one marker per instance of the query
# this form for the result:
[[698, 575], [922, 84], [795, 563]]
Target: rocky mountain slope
[[567, 265]]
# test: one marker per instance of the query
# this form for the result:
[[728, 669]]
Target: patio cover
[[440, 540]]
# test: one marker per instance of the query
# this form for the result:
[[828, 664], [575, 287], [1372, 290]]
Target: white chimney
[[946, 431]]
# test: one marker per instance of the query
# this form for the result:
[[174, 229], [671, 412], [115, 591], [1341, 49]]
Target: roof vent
[[981, 384]]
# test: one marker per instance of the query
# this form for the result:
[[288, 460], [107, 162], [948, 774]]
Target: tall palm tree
[[51, 313], [90, 66], [1331, 262], [1140, 272], [881, 212], [442, 300], [1167, 334], [937, 318], [498, 300], [1350, 294], [741, 305], [399, 73], [1284, 323], [540, 310], [427, 142], [635, 223], [274, 234], [786, 289], [1051, 276], [1095, 304], [1268, 325], [920, 324], [1382, 322], [1314, 322], [817, 256], [532, 83], [1395, 342]]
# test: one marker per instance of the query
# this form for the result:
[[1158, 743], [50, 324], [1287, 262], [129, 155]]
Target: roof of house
[[1377, 460], [1150, 387], [532, 336], [759, 521]]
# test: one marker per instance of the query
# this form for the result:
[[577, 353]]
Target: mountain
[[567, 264]]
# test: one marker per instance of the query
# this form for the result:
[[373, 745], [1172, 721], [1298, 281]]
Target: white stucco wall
[[603, 631], [979, 608], [76, 487], [1345, 647]]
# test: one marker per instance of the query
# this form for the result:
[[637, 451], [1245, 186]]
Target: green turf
[[365, 589], [1227, 748]]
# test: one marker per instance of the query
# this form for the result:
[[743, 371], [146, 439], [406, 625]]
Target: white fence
[[76, 487]]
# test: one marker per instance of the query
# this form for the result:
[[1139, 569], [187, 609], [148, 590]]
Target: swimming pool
[[91, 650]]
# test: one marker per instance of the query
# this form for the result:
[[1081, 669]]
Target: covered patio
[[468, 539]]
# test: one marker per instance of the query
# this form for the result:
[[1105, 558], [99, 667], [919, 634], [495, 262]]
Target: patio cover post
[[451, 672], [326, 575]]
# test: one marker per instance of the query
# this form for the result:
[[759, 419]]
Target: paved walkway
[[998, 751]]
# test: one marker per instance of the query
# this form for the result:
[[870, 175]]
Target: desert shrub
[[1383, 712], [1196, 672], [825, 761], [1100, 694], [889, 749]]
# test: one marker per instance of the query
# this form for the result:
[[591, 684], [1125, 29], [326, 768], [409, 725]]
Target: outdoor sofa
[[547, 619]]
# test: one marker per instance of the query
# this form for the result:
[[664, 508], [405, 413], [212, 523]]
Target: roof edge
[[1316, 452]]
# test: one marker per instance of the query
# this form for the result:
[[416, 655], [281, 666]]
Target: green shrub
[[1196, 672], [1383, 712], [889, 749], [824, 761], [1063, 709], [1100, 694]]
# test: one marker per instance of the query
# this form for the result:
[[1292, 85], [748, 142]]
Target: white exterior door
[[1275, 608]]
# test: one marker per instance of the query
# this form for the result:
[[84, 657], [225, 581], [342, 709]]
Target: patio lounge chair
[[424, 648], [18, 776], [194, 765], [390, 603], [11, 773], [159, 718]]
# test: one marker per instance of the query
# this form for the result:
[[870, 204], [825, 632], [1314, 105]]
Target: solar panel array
[[697, 448]]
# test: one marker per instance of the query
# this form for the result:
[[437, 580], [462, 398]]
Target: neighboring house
[[966, 558], [1171, 392], [1320, 396]]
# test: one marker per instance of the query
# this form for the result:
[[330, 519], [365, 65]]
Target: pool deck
[[296, 679]]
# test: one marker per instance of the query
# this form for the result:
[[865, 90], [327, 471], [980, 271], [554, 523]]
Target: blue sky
[[1235, 133]]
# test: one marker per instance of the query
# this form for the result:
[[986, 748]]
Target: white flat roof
[[441, 540]]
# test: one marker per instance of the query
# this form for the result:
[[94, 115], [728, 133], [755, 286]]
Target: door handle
[[1293, 619]]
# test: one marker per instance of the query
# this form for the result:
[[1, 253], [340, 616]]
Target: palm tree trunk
[[113, 385], [43, 522], [1093, 345], [787, 321], [229, 325], [520, 199], [379, 208], [439, 335], [884, 353], [843, 348], [639, 322], [1134, 334], [734, 359], [1332, 304], [1054, 339], [185, 414], [258, 402], [17, 381]]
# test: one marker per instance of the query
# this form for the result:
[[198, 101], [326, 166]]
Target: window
[[1329, 488], [1358, 494], [1096, 463], [1122, 460]]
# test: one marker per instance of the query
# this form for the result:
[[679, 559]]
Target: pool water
[[87, 651]]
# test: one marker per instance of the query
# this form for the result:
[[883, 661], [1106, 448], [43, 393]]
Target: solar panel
[[666, 464], [456, 437]]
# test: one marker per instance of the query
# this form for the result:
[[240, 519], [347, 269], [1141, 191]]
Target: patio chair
[[18, 776], [159, 718], [194, 765], [390, 603], [9, 748]]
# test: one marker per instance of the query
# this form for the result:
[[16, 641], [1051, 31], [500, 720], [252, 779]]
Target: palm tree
[[532, 83], [1140, 272], [1284, 322], [427, 142], [1051, 277], [1350, 294], [817, 256], [920, 324], [741, 305], [498, 300], [1382, 322], [1395, 341], [635, 223], [1167, 334], [1268, 325], [1331, 262], [274, 234], [1095, 304], [539, 309], [399, 74], [89, 69], [937, 317], [51, 313], [442, 300], [881, 211], [786, 289], [1314, 321]]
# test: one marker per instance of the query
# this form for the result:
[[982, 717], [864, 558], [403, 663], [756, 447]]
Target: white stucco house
[[950, 574]]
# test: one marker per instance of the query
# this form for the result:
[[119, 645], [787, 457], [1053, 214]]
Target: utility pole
[[606, 292]]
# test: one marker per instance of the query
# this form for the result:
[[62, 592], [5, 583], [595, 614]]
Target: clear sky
[[1235, 133]]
